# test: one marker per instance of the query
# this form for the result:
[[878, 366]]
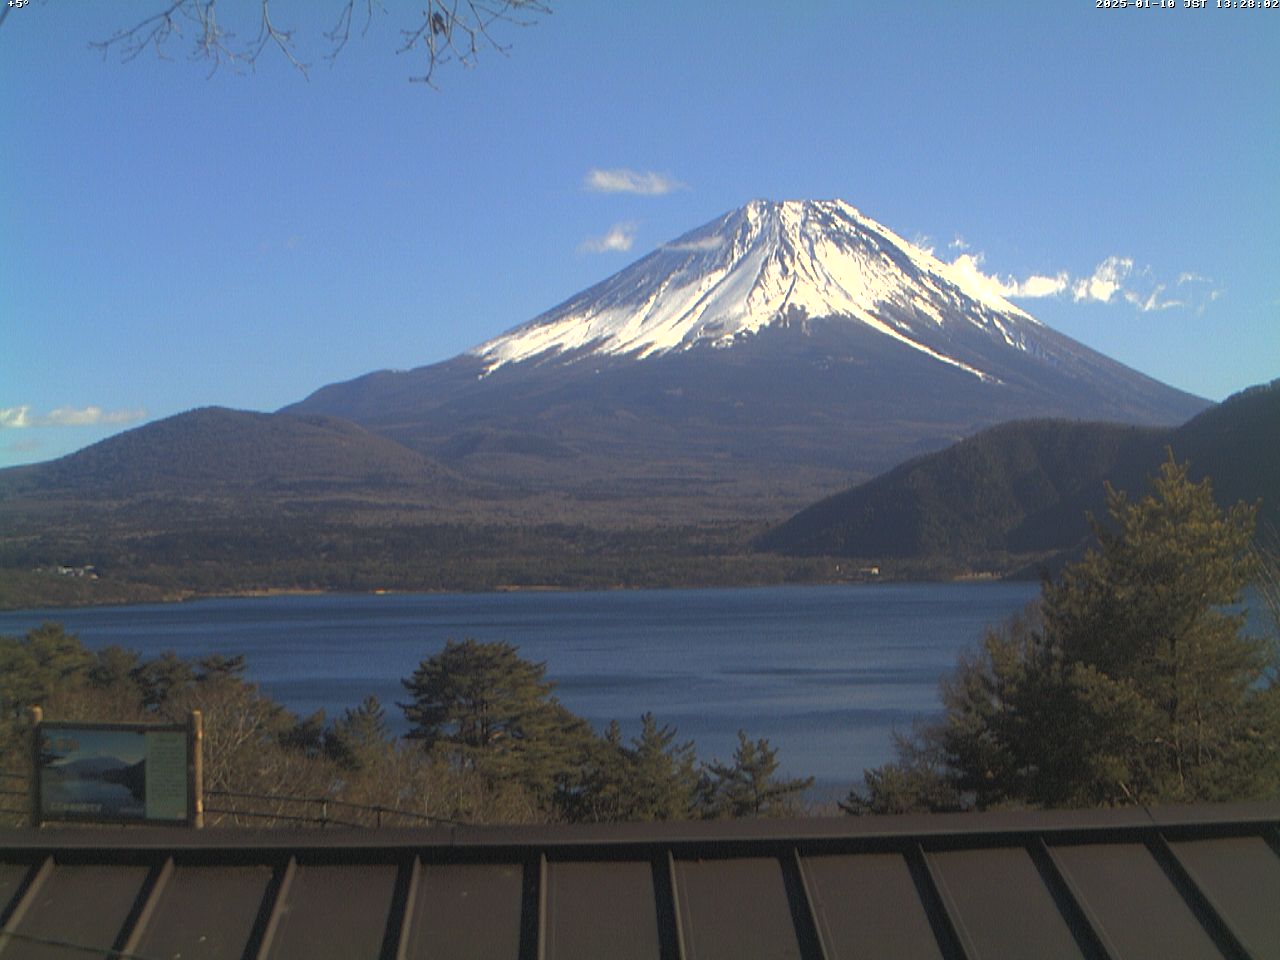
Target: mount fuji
[[772, 264], [781, 351]]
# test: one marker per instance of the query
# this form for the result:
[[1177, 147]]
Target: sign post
[[35, 715], [195, 766]]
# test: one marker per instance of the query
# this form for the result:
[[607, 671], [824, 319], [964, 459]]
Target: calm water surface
[[826, 673]]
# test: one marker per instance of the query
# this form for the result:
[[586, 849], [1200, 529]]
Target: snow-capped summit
[[766, 264]]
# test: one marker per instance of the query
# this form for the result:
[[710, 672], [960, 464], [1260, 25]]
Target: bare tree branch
[[341, 32], [449, 31], [267, 32], [453, 30]]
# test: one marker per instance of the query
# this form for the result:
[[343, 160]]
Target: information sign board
[[115, 772]]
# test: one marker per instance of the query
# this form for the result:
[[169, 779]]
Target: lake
[[826, 673]]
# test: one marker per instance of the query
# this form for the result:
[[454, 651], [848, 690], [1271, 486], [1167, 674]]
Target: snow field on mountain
[[764, 264]]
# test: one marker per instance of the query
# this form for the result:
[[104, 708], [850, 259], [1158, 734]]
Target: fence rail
[[318, 811], [236, 805], [15, 804]]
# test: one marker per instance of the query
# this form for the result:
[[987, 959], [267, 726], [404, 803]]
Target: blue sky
[[172, 239]]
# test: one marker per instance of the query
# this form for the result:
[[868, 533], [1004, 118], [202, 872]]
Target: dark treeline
[[219, 557]]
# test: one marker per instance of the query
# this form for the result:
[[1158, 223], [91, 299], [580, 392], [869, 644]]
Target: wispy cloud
[[622, 180], [619, 238], [1114, 280], [706, 243], [1115, 276], [21, 418], [1037, 285], [1152, 300], [1107, 280]]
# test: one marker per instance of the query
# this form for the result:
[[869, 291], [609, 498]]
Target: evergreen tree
[[1132, 683], [748, 787], [113, 669], [360, 739], [664, 777], [475, 695], [163, 679], [1160, 689], [916, 782], [34, 668], [654, 778], [485, 708]]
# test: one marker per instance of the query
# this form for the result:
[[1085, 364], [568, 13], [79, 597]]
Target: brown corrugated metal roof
[[1193, 882]]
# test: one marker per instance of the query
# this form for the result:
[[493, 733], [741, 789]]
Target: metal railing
[[15, 807], [314, 811], [15, 798]]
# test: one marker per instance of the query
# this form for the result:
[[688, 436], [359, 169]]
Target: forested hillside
[[1021, 493]]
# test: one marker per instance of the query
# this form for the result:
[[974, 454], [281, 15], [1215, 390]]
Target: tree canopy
[[1132, 681], [483, 708], [749, 787]]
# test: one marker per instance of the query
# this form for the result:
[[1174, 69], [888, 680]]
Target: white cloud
[[1152, 300], [970, 266], [959, 243], [21, 418], [1107, 280], [14, 418], [648, 184], [924, 243], [1038, 285], [1114, 280], [706, 243], [620, 237]]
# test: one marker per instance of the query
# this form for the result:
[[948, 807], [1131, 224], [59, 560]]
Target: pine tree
[[748, 787], [663, 776], [360, 739], [475, 695], [34, 668], [654, 778], [1163, 697], [488, 710], [1132, 682]]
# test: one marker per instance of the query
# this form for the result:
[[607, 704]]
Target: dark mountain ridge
[[216, 450], [1024, 489]]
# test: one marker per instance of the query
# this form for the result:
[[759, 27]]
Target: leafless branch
[[153, 31], [460, 29], [449, 31], [268, 33], [341, 32], [210, 42]]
